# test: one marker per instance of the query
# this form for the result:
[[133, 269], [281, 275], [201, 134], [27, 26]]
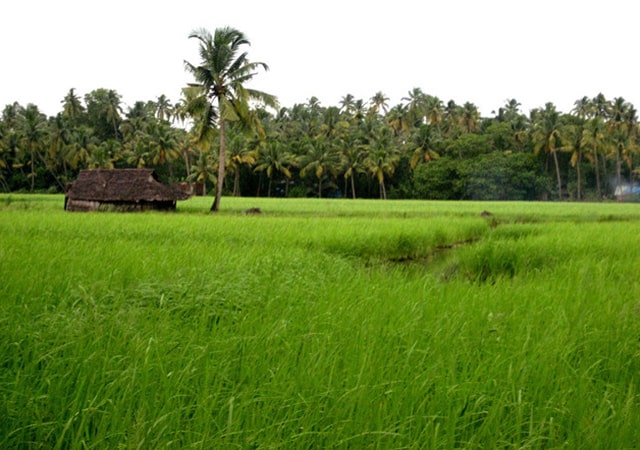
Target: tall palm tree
[[547, 136], [470, 117], [163, 108], [600, 106], [219, 91], [434, 110], [583, 108], [416, 105], [113, 110], [82, 145], [72, 106], [381, 159], [379, 101], [163, 143], [239, 154], [202, 170], [398, 119], [452, 119], [352, 163], [321, 159], [424, 142], [273, 158], [594, 137], [32, 131], [510, 111], [347, 103]]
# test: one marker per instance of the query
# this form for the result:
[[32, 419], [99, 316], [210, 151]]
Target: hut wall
[[138, 206], [89, 205], [81, 205]]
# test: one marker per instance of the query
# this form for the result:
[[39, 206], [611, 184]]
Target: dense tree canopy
[[419, 148]]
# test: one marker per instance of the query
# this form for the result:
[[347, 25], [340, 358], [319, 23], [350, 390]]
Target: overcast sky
[[484, 52]]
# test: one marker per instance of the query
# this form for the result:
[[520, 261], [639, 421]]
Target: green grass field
[[320, 324]]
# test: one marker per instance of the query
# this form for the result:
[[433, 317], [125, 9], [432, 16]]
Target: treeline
[[421, 148]]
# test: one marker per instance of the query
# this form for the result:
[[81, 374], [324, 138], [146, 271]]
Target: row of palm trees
[[309, 142], [221, 129]]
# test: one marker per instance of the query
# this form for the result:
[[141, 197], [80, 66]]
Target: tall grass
[[320, 324]]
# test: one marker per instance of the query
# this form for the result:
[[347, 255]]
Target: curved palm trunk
[[221, 163]]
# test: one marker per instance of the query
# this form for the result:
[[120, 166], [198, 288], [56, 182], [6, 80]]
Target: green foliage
[[365, 149], [500, 176], [439, 180]]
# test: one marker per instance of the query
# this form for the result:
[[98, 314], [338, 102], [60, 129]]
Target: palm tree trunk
[[383, 191], [605, 174], [579, 173], [187, 167], [353, 188], [236, 182], [555, 161], [221, 163], [33, 170], [597, 168], [618, 171]]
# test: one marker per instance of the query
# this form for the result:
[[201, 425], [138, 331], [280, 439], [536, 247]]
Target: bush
[[504, 176]]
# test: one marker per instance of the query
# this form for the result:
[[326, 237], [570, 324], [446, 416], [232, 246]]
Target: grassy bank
[[320, 324]]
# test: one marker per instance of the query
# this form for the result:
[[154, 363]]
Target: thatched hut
[[121, 190]]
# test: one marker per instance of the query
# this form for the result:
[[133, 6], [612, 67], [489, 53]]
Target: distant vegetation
[[320, 324], [421, 148]]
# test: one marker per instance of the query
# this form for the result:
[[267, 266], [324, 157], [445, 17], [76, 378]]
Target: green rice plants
[[320, 324]]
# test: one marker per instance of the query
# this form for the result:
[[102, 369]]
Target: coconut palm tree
[[416, 105], [219, 93], [398, 119], [163, 108], [452, 120], [83, 143], [239, 154], [470, 117], [113, 110], [273, 158], [72, 108], [424, 142], [510, 112], [347, 103], [547, 136], [594, 137], [32, 126], [320, 159], [381, 159], [434, 110], [379, 101], [203, 169], [163, 142], [353, 163]]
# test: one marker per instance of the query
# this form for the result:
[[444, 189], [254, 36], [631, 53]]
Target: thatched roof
[[122, 185]]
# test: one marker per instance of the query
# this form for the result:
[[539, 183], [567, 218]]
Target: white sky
[[482, 51]]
